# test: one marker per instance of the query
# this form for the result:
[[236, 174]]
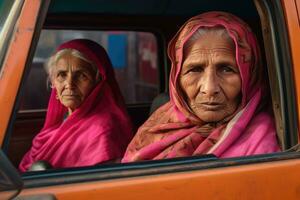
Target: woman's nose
[[209, 83], [70, 81]]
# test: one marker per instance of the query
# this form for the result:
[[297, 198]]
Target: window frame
[[278, 55], [7, 31], [40, 15]]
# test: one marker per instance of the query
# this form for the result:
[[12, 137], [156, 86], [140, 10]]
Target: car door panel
[[255, 181]]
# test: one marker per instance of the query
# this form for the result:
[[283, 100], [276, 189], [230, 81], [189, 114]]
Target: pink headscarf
[[99, 130], [175, 131]]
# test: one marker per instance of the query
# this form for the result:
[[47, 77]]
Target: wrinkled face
[[210, 78], [73, 80]]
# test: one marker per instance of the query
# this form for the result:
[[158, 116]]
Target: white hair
[[217, 30], [52, 61]]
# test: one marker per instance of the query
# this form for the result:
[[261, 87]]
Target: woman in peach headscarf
[[216, 89]]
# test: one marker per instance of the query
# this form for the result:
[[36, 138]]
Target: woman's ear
[[98, 77], [50, 83]]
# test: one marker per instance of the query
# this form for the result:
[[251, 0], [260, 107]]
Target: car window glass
[[5, 7], [133, 56], [8, 13]]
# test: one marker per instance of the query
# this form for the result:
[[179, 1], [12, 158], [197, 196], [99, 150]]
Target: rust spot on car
[[29, 29]]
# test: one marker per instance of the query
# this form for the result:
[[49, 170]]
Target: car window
[[133, 55], [5, 7], [9, 11]]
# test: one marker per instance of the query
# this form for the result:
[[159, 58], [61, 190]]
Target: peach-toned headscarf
[[98, 131], [175, 131]]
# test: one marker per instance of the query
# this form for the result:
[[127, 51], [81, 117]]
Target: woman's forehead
[[72, 62], [210, 44]]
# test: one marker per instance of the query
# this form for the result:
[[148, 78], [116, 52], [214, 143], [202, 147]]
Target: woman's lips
[[211, 106], [72, 96]]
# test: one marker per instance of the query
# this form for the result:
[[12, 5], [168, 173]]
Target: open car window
[[133, 54], [136, 60]]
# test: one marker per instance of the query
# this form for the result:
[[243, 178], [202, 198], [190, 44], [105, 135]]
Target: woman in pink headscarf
[[86, 122], [216, 89]]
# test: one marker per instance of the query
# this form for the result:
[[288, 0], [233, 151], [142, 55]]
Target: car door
[[272, 176], [10, 181]]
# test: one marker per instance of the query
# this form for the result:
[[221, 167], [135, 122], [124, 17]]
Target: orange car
[[135, 34]]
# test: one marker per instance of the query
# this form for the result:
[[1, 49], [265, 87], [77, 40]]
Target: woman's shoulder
[[261, 125], [261, 134], [259, 137]]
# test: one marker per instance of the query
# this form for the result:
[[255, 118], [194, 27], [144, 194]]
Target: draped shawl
[[98, 130], [174, 130]]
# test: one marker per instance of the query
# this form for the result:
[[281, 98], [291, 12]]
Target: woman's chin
[[71, 105], [210, 116]]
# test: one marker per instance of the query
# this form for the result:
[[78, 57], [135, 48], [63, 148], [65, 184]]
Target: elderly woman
[[216, 90], [86, 122]]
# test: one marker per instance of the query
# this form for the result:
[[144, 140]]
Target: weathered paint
[[14, 62]]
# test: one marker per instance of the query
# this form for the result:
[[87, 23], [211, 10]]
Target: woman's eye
[[82, 76], [196, 69], [227, 69], [61, 75]]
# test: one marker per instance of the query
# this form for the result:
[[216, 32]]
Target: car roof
[[246, 9]]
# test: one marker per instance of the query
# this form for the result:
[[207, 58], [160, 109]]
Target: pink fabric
[[98, 131], [174, 131]]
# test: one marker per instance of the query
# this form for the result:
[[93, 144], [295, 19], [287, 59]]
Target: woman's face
[[210, 78], [73, 80]]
